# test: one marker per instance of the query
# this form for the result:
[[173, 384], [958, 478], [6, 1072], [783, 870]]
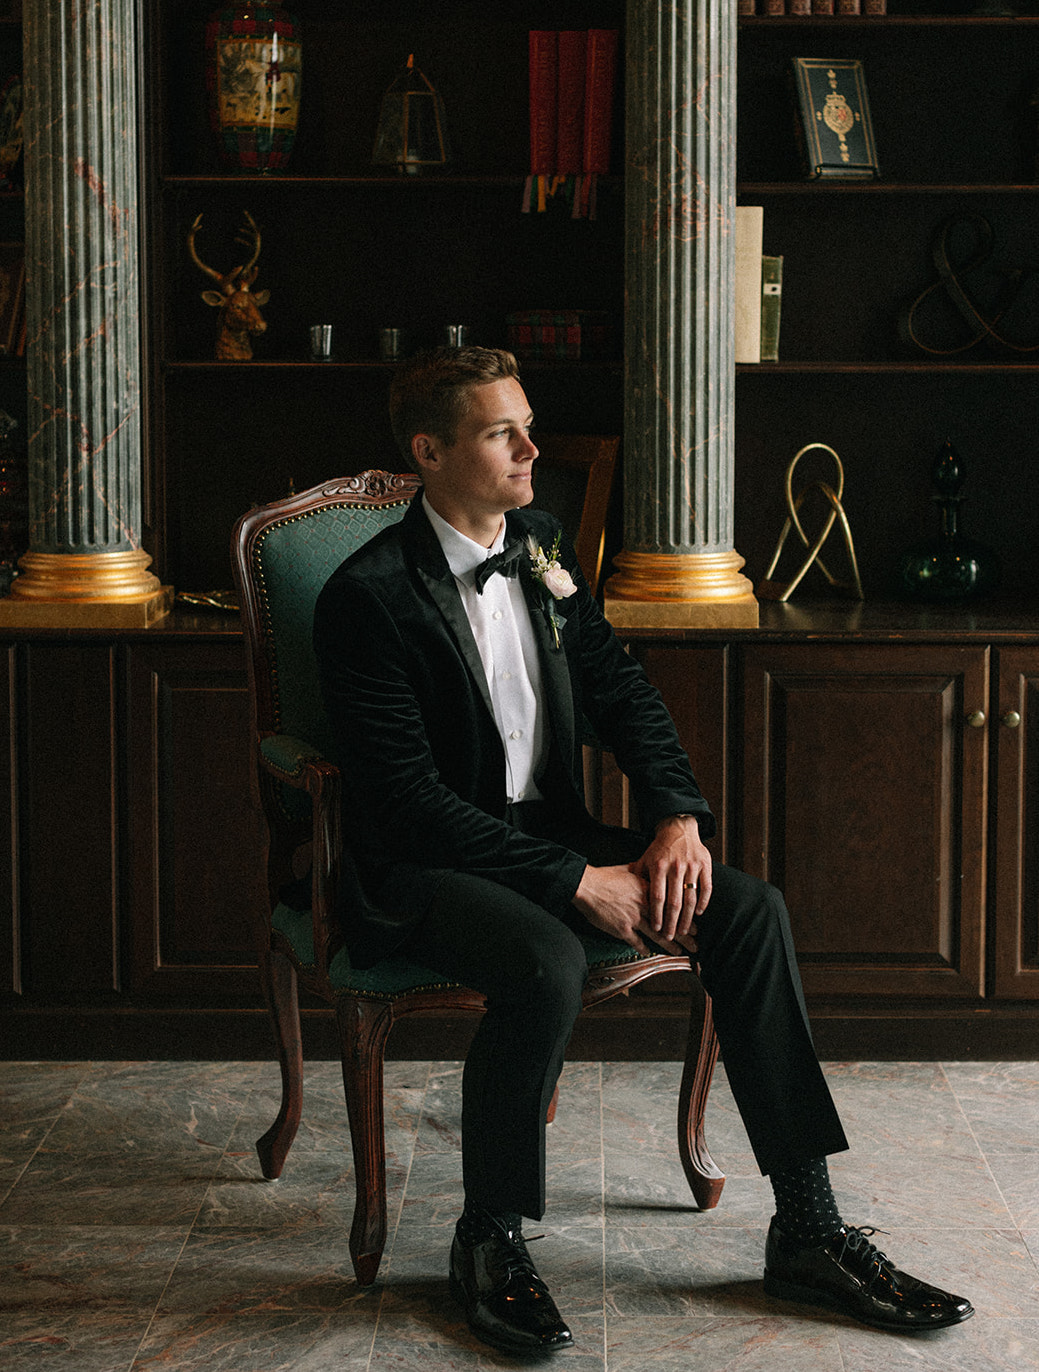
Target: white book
[[749, 230]]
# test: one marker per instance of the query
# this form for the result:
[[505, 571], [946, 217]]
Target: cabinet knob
[[976, 719], [1011, 719]]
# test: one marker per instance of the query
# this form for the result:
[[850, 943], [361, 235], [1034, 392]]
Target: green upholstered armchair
[[283, 553]]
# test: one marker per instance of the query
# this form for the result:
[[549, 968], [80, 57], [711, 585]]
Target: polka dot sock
[[805, 1206]]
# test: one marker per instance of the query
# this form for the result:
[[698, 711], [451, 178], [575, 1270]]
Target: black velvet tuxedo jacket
[[423, 762]]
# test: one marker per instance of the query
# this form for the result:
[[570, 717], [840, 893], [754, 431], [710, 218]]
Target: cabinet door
[[865, 802], [694, 684], [197, 832], [67, 816], [10, 912], [1016, 867]]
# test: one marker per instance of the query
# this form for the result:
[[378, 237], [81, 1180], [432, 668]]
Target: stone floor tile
[[115, 1269], [276, 1341], [1000, 1101], [758, 1344], [302, 1266], [981, 1344], [69, 1340], [136, 1221], [894, 1188], [1017, 1176]]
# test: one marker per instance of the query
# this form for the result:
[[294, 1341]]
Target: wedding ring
[[690, 885]]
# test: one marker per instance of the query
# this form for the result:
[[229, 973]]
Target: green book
[[771, 299]]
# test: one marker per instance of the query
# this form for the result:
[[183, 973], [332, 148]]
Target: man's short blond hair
[[431, 392]]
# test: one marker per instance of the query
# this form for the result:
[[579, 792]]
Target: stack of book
[[836, 7], [759, 287], [573, 74]]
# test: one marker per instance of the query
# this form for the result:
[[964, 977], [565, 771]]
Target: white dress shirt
[[500, 620]]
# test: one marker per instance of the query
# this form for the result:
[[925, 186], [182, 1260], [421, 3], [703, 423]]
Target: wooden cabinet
[[195, 826], [1015, 885], [879, 764], [132, 844], [864, 800], [695, 681]]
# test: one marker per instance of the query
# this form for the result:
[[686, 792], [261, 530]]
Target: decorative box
[[569, 334]]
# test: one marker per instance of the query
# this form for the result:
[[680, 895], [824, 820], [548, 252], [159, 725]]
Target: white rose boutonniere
[[556, 580]]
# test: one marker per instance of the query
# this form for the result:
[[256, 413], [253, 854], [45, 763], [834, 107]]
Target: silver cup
[[321, 342], [455, 335], [391, 344]]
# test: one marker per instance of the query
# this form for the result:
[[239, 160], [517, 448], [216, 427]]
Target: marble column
[[679, 566], [85, 564]]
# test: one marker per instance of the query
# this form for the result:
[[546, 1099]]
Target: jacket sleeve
[[396, 804], [629, 717]]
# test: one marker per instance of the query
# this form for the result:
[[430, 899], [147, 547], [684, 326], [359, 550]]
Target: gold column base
[[680, 590], [86, 590]]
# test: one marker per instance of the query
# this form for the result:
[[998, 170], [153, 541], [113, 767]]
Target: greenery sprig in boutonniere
[[556, 580]]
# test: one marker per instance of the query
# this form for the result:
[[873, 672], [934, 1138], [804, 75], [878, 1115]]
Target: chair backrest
[[282, 555], [573, 479]]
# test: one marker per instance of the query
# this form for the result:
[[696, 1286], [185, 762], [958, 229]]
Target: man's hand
[[615, 900], [676, 868]]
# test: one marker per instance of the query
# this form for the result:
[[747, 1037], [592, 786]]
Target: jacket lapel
[[433, 571], [555, 670]]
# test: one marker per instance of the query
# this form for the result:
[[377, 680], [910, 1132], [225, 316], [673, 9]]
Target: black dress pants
[[530, 965]]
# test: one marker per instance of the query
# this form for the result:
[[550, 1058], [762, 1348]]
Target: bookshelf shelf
[[952, 104]]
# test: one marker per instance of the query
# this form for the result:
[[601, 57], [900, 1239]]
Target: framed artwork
[[835, 125], [12, 296]]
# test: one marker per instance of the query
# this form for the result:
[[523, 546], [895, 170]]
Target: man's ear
[[423, 450]]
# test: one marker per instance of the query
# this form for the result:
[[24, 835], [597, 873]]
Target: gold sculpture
[[768, 589]]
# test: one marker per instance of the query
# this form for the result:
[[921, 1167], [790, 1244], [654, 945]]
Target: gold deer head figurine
[[239, 305]]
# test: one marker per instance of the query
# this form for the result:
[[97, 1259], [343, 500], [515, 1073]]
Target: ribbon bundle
[[572, 78]]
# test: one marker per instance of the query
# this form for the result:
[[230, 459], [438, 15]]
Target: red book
[[600, 78], [544, 52], [570, 104]]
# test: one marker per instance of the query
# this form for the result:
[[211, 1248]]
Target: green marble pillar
[[679, 566], [85, 563]]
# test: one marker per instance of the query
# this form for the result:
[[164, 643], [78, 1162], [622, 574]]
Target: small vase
[[950, 566], [253, 69]]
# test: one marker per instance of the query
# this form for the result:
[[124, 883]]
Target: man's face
[[487, 469]]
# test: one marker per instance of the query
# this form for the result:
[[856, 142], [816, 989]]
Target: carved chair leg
[[280, 987], [705, 1180], [363, 1028]]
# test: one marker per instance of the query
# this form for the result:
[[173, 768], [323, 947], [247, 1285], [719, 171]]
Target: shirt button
[[516, 733], [506, 676], [496, 614]]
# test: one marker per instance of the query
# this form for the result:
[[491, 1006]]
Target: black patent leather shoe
[[506, 1303], [850, 1274]]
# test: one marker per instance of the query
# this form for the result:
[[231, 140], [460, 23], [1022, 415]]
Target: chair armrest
[[300, 765], [287, 757]]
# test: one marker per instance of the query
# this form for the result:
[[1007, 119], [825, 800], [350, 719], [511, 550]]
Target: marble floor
[[136, 1232]]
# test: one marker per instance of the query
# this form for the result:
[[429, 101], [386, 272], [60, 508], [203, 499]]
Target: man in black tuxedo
[[460, 651]]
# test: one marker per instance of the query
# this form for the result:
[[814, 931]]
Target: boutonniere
[[556, 580]]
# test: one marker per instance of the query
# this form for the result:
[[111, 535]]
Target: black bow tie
[[505, 562]]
